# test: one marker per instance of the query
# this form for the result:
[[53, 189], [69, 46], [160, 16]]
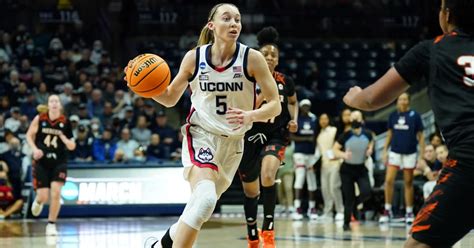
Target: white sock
[[312, 204], [388, 206], [409, 210], [297, 203]]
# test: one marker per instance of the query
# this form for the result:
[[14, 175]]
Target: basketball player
[[50, 137], [448, 64], [405, 132], [264, 148], [222, 74], [305, 157]]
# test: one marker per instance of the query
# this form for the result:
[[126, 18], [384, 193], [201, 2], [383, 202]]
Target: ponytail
[[206, 36]]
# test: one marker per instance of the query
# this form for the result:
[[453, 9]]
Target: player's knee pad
[[299, 177], [201, 205], [311, 181]]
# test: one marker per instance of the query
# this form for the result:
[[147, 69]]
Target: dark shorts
[[43, 175], [250, 165], [448, 213]]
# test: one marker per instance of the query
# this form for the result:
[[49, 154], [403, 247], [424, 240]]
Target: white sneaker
[[36, 208], [339, 217], [312, 214], [51, 230], [297, 215]]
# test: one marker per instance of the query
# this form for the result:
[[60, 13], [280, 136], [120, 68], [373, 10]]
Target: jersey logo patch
[[280, 86], [203, 77], [202, 66], [237, 75], [205, 155], [237, 68]]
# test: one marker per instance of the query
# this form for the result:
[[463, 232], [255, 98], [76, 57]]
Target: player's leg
[[200, 206], [326, 190], [409, 163], [312, 186], [409, 195], [41, 183], [390, 175], [270, 165], [252, 193], [447, 214], [348, 192], [300, 174], [335, 189], [58, 178]]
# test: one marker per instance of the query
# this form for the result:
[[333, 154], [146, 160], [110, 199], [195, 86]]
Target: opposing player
[[50, 137], [447, 62], [221, 74], [264, 147]]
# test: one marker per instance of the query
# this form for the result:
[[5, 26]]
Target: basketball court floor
[[226, 232]]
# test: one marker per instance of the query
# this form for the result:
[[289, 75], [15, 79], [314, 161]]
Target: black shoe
[[346, 227]]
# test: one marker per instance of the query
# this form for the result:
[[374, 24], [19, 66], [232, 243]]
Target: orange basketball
[[148, 75]]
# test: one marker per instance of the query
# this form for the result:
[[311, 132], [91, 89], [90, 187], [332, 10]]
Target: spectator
[[330, 178], [96, 127], [149, 112], [95, 105], [120, 101], [140, 132], [103, 149], [432, 175], [13, 123], [405, 132], [84, 115], [26, 73], [188, 40], [128, 117], [73, 106], [97, 51], [354, 146], [12, 167], [429, 163], [42, 93], [28, 108], [87, 89], [108, 114], [66, 96], [304, 158], [21, 93], [74, 120], [3, 130], [436, 140], [83, 151], [344, 122], [109, 92], [4, 104], [127, 145], [166, 132], [85, 62], [155, 150]]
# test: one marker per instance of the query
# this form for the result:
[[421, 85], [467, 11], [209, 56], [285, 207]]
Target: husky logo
[[205, 155]]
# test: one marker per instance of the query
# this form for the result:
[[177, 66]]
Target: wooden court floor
[[218, 232]]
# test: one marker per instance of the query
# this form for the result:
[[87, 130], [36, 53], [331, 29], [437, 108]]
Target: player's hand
[[129, 66], [37, 154], [292, 126], [369, 152], [350, 95], [238, 116]]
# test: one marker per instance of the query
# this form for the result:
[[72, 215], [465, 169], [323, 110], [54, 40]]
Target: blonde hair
[[207, 36]]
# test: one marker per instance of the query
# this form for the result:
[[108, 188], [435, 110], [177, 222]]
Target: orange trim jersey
[[47, 138]]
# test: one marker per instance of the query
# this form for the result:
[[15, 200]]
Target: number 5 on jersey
[[221, 105]]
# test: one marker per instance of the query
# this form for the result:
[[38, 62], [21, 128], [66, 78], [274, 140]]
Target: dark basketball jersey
[[47, 138], [286, 88], [447, 63]]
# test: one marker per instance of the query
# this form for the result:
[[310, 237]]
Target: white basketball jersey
[[214, 90]]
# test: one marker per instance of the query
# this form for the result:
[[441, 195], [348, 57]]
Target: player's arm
[[421, 142], [386, 145], [258, 68], [175, 90], [338, 153], [411, 68], [69, 142], [378, 95], [30, 138], [31, 133], [293, 109]]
